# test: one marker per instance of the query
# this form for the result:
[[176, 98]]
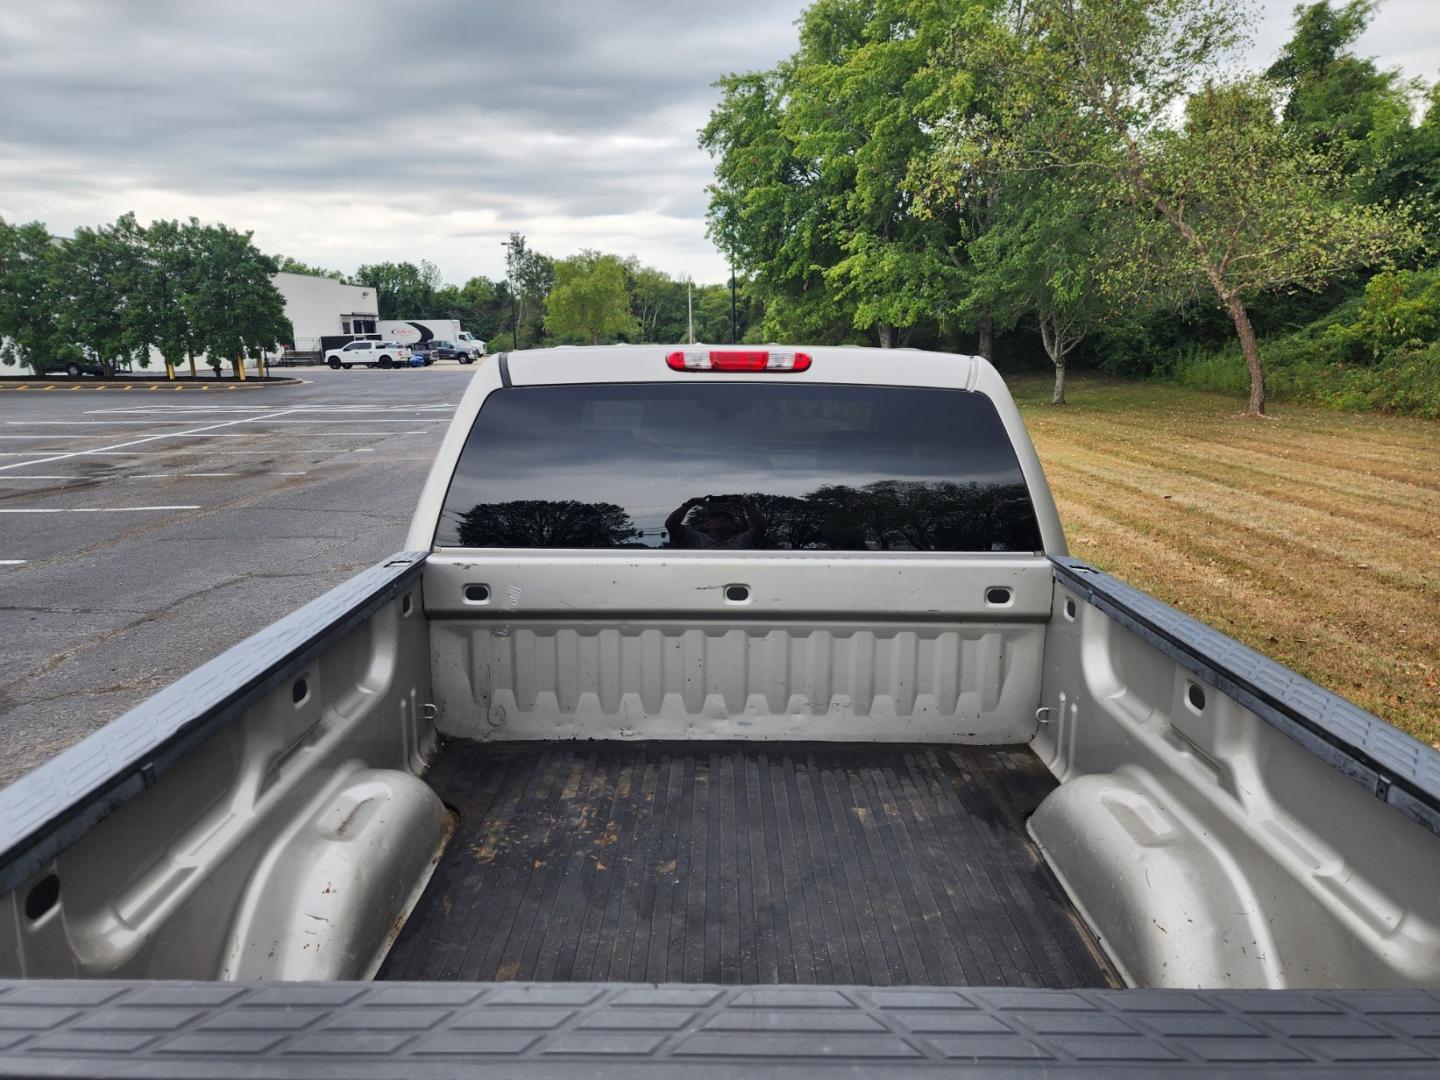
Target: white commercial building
[[321, 307]]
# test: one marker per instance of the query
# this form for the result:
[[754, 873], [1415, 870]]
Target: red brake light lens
[[738, 360]]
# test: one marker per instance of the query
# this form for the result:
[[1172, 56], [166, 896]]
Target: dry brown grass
[[1313, 537]]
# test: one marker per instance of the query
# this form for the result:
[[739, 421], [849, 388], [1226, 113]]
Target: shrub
[[1378, 350], [1400, 310]]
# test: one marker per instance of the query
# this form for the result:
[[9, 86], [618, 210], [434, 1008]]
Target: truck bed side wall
[[1205, 846], [285, 844]]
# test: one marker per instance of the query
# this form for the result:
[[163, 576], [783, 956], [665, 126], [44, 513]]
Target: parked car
[[384, 354], [439, 349], [72, 366]]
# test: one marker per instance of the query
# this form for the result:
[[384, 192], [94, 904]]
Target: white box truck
[[418, 331]]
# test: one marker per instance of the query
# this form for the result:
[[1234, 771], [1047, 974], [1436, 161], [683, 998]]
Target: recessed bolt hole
[[1196, 697], [407, 604], [477, 594], [300, 691], [737, 594], [998, 597], [43, 896], [1070, 609]]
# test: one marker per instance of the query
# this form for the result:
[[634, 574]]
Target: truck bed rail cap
[[118, 1028]]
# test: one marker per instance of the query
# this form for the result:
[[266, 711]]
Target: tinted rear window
[[739, 465]]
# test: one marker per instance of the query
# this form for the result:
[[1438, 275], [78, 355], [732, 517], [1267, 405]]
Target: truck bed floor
[[744, 863]]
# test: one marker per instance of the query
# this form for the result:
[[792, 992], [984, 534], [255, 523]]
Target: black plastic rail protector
[[55, 804], [415, 1031], [1396, 768]]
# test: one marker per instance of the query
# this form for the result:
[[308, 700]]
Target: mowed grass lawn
[[1313, 537]]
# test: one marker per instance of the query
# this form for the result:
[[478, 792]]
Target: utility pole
[[690, 311]]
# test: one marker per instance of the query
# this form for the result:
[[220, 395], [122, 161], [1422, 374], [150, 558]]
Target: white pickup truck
[[382, 354], [730, 712]]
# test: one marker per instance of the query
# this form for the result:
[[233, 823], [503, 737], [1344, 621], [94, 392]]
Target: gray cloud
[[422, 129], [361, 130]]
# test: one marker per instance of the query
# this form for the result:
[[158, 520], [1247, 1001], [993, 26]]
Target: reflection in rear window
[[735, 466]]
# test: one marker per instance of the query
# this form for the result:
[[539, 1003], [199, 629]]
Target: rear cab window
[[778, 466]]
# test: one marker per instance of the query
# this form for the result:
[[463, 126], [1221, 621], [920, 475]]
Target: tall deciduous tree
[[162, 274], [819, 163], [529, 277], [769, 211], [29, 303], [97, 278], [1048, 248], [403, 290], [234, 308], [289, 265], [589, 299], [1092, 87]]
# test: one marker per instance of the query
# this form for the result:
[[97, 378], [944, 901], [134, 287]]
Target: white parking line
[[169, 435], [117, 423], [132, 442], [272, 410], [166, 453], [32, 423], [13, 562], [87, 509]]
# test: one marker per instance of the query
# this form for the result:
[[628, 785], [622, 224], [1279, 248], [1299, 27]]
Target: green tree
[[821, 162], [1225, 203], [30, 330], [860, 90], [770, 212], [402, 290], [1344, 105], [287, 265], [589, 300], [233, 307], [657, 301], [529, 277], [1334, 99], [161, 277], [1042, 260], [97, 278]]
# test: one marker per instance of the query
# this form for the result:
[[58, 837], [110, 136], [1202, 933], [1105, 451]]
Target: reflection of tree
[[904, 515], [545, 523]]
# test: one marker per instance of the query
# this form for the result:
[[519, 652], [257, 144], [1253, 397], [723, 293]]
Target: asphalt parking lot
[[143, 533]]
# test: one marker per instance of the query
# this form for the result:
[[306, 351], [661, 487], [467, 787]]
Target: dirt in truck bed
[[821, 863]]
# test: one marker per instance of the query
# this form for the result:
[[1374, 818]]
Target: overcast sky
[[356, 131]]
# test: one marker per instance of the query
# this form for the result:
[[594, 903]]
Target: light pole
[[510, 284]]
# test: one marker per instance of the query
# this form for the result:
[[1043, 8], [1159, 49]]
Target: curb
[[123, 385]]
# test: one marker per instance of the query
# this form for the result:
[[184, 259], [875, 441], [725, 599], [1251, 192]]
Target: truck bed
[[744, 863]]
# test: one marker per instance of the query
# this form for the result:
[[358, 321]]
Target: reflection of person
[[720, 525]]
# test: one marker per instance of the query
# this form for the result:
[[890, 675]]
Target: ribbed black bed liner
[[744, 863]]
